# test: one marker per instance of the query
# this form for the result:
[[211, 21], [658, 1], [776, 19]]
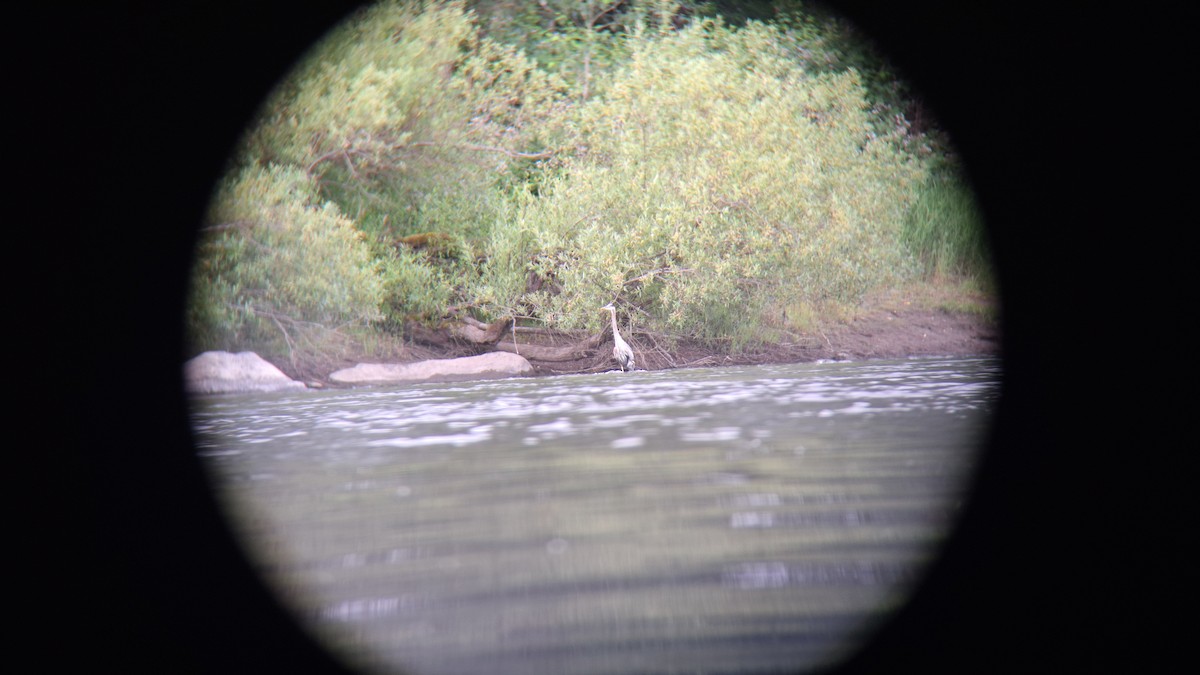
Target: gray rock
[[227, 373], [482, 367]]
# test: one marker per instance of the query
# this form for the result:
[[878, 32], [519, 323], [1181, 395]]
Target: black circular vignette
[[157, 584]]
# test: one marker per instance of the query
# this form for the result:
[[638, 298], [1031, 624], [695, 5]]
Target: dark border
[[136, 107]]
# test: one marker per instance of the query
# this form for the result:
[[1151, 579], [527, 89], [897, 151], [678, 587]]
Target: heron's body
[[622, 352]]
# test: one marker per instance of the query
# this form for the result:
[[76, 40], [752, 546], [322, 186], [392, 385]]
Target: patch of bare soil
[[879, 332], [921, 320], [887, 333]]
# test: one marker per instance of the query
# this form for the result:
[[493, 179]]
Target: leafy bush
[[714, 178], [413, 288], [406, 118], [580, 40], [274, 260], [716, 182]]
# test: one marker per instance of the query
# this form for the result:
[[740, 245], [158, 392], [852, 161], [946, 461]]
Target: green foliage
[[717, 182], [579, 40], [414, 288], [408, 119], [273, 258], [370, 90], [713, 178], [945, 229], [824, 42], [409, 122]]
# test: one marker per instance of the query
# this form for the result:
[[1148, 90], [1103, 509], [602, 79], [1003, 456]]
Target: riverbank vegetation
[[450, 170]]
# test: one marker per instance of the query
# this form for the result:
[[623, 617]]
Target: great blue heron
[[621, 349]]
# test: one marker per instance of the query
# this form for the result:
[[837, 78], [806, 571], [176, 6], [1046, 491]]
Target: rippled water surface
[[721, 520]]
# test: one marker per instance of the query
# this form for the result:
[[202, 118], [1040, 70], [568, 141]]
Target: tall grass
[[945, 230]]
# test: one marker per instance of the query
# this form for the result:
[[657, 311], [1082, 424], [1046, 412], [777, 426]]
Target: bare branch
[[324, 158], [552, 332], [647, 275], [477, 332], [287, 338], [220, 227], [349, 165], [594, 19], [569, 352], [546, 154]]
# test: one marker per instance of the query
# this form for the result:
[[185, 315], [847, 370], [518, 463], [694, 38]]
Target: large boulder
[[227, 373], [482, 367]]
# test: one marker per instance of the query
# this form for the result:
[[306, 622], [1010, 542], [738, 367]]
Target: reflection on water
[[749, 519]]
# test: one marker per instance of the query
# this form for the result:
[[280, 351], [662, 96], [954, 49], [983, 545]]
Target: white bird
[[621, 350]]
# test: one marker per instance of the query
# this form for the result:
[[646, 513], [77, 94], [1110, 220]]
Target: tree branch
[[219, 227], [546, 154], [570, 352]]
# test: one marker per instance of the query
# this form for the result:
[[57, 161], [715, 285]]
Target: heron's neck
[[613, 313]]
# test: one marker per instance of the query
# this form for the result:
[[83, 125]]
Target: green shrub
[[413, 288], [720, 183], [274, 260], [714, 178], [368, 91], [407, 119], [579, 40]]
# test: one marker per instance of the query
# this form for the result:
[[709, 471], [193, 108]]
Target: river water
[[716, 520]]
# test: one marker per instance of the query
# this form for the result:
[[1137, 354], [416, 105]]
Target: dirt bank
[[924, 320], [897, 324]]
